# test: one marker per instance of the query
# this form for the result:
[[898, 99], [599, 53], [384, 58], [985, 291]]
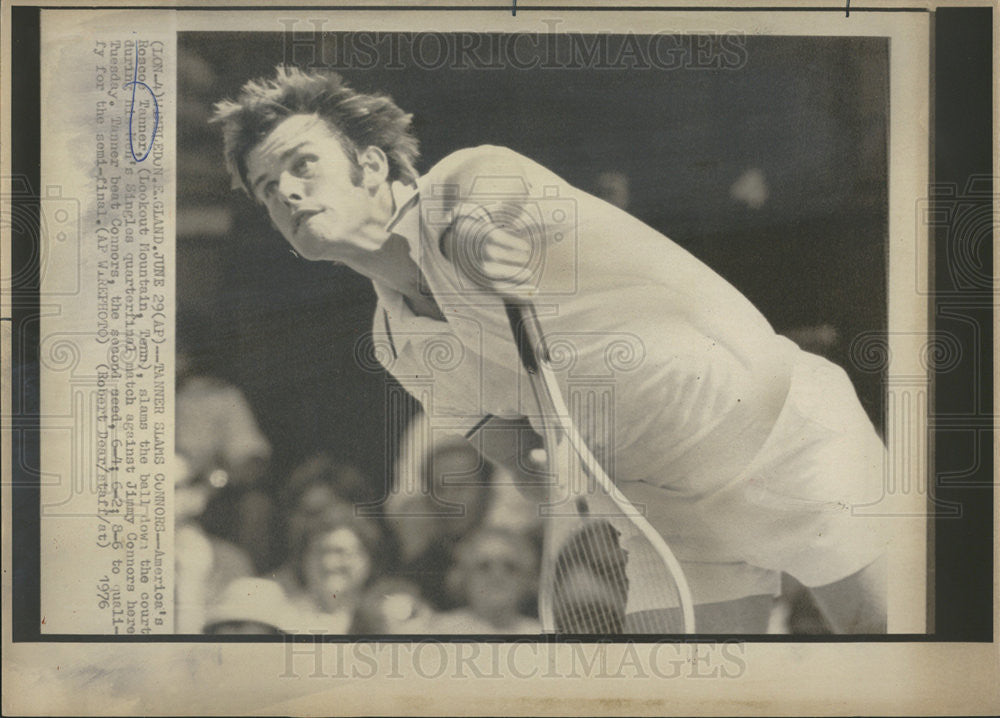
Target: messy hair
[[358, 120]]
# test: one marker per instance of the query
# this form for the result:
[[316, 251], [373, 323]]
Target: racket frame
[[557, 423]]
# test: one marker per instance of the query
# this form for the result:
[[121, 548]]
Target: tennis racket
[[605, 569]]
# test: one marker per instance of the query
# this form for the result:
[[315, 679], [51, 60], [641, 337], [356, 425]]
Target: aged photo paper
[[194, 371]]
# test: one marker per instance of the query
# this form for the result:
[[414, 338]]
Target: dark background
[[808, 113], [962, 122]]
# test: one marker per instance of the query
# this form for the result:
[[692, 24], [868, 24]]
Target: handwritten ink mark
[[848, 8], [513, 9], [131, 110]]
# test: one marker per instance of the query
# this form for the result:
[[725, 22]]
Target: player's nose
[[290, 189]]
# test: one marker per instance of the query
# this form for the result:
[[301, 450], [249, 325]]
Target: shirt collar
[[405, 223], [403, 197]]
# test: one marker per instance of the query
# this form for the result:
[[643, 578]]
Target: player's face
[[316, 195]]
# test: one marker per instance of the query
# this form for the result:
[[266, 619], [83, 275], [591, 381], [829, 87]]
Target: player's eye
[[268, 190], [302, 166]]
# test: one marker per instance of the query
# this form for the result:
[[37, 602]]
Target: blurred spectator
[[451, 499], [318, 484], [334, 557], [249, 606], [216, 431], [218, 436], [494, 571], [205, 564], [445, 490], [314, 487]]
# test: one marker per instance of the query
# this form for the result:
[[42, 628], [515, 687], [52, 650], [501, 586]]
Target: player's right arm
[[491, 239], [495, 232], [491, 255]]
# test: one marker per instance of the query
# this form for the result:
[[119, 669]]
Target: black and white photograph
[[690, 233], [531, 359]]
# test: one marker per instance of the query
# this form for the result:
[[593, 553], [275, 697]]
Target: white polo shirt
[[676, 381]]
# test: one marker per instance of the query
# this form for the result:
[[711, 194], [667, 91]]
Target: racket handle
[[527, 333]]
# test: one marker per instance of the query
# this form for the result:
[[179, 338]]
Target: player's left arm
[[856, 604]]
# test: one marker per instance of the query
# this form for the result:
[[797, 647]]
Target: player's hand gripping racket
[[605, 569]]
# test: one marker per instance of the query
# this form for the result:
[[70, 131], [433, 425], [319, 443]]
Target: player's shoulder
[[471, 157], [207, 387], [465, 165]]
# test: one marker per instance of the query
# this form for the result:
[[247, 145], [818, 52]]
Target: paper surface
[[117, 204]]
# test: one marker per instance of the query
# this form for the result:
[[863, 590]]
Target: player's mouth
[[301, 216]]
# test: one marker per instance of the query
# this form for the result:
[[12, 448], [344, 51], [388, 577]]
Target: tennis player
[[750, 456]]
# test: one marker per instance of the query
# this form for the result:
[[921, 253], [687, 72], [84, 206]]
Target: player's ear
[[374, 167]]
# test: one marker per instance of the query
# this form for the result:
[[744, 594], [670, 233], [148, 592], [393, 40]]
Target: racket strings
[[591, 585], [597, 548], [592, 593]]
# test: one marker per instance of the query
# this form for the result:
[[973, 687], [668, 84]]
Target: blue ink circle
[[131, 110]]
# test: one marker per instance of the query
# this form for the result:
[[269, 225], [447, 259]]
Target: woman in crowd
[[335, 556], [315, 487]]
